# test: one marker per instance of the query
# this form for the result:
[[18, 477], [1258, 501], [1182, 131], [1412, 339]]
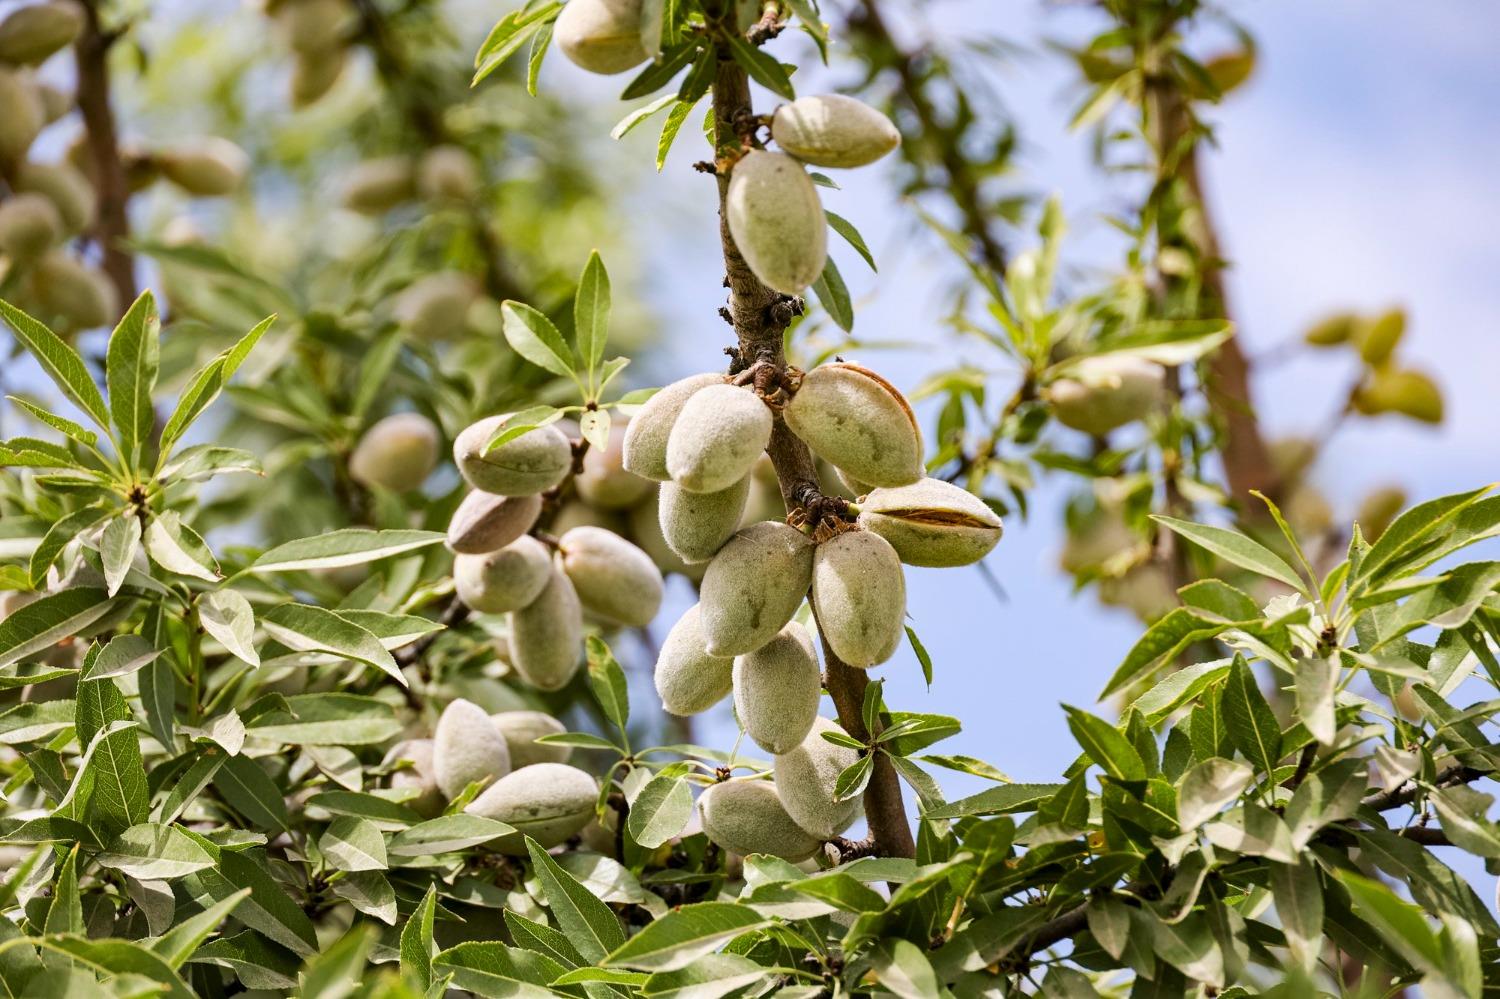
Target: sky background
[[1356, 170]]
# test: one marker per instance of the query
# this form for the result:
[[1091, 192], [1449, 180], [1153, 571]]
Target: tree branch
[[760, 316], [111, 225]]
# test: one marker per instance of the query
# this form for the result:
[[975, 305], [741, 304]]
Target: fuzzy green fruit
[[753, 587], [485, 522], [314, 74], [717, 437], [833, 130], [81, 295], [777, 220], [602, 36], [549, 802], [315, 27], [31, 34], [777, 688], [805, 780], [29, 226], [604, 481], [546, 636], [209, 167], [21, 114], [932, 523], [688, 679], [376, 186], [521, 729], [535, 461], [614, 579], [697, 525], [505, 580], [428, 800], [447, 173], [397, 453], [67, 189], [859, 593], [576, 513], [645, 447], [745, 816], [466, 747], [645, 528], [856, 420], [1099, 394], [435, 307]]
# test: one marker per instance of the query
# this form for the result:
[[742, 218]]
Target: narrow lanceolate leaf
[[904, 969], [117, 548], [851, 235], [854, 778], [61, 424], [155, 852], [177, 944], [487, 968], [121, 656], [1462, 812], [507, 37], [229, 618], [1298, 894], [417, 947], [533, 336], [1209, 788], [607, 681], [1237, 548], [1317, 679], [762, 67], [62, 363], [1251, 723], [590, 925], [446, 834], [660, 811], [351, 546], [305, 628], [130, 368], [57, 538], [177, 548], [206, 384], [352, 844], [684, 935], [47, 621], [1105, 745], [591, 312], [834, 295]]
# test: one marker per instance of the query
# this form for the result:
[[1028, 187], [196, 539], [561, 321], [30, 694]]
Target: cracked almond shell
[[503, 580], [485, 522], [717, 438], [535, 461], [859, 594], [549, 802], [745, 816], [614, 579], [777, 688], [753, 586], [689, 679], [777, 220], [857, 421], [466, 747], [833, 130], [546, 636], [805, 779], [932, 523], [644, 451]]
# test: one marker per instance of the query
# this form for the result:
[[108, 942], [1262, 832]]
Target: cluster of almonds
[[701, 438], [47, 203], [531, 786]]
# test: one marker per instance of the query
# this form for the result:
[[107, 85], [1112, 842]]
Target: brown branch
[[1406, 793], [760, 316], [111, 225]]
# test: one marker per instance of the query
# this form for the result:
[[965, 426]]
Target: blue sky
[[1355, 170]]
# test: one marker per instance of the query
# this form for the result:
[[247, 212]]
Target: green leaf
[[1251, 722], [967, 765], [47, 621], [65, 914], [150, 851], [349, 546], [121, 656], [539, 44], [762, 67], [834, 295], [670, 130], [588, 923], [660, 71], [446, 834], [268, 909], [131, 364], [249, 790], [903, 969], [177, 944], [533, 336], [851, 235], [1235, 547], [523, 422], [1410, 534], [306, 628], [591, 313], [113, 760], [1316, 681], [176, 547], [920, 651], [1000, 800], [327, 720], [121, 961], [1400, 924], [593, 425], [417, 946], [1105, 745], [352, 844], [507, 37], [660, 811], [61, 424], [229, 618], [684, 935], [495, 970], [206, 384], [117, 548], [607, 681], [1298, 893], [337, 970], [640, 114], [1461, 811], [854, 778], [393, 630], [61, 363], [257, 963], [58, 536], [1208, 788]]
